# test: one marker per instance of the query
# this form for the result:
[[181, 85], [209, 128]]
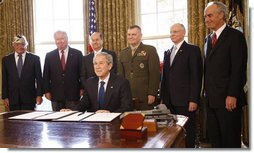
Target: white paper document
[[75, 117], [29, 116], [102, 117], [54, 115]]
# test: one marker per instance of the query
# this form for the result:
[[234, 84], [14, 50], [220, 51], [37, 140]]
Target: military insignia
[[142, 53], [141, 65]]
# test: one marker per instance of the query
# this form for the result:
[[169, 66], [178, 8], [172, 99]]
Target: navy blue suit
[[225, 75], [21, 92], [118, 96], [181, 84], [63, 85]]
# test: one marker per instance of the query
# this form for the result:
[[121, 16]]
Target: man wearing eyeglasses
[[181, 79]]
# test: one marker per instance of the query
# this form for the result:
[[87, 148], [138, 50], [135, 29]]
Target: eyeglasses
[[174, 32]]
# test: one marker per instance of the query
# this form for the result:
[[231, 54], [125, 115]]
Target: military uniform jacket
[[142, 70]]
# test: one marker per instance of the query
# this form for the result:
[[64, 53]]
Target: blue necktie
[[101, 94], [20, 64]]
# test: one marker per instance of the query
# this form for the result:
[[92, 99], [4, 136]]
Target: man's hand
[[102, 111], [48, 95], [192, 106], [230, 103], [65, 110], [151, 99], [38, 100], [6, 102]]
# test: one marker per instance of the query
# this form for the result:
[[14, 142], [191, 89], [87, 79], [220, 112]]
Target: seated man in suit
[[113, 95], [87, 65]]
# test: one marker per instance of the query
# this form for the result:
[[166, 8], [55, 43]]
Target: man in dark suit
[[61, 74], [182, 79], [117, 93], [139, 63], [225, 78], [21, 77], [97, 45]]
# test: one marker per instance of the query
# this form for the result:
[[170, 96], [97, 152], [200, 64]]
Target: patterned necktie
[[214, 39], [172, 55], [101, 94], [62, 60], [20, 64]]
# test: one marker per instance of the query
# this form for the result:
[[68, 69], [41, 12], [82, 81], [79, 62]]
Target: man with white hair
[[61, 74], [21, 77]]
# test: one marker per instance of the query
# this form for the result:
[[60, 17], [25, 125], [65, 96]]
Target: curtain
[[16, 17], [113, 19], [196, 34]]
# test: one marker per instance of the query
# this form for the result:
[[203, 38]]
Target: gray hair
[[62, 32], [108, 57], [221, 7]]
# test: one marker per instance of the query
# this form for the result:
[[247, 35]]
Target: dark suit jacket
[[225, 68], [117, 97], [63, 85], [182, 81], [87, 65], [14, 87]]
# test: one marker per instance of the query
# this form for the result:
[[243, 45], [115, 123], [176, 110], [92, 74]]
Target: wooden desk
[[47, 134]]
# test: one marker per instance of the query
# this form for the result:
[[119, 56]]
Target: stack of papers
[[102, 117], [29, 116], [37, 115], [68, 116], [55, 115], [75, 117]]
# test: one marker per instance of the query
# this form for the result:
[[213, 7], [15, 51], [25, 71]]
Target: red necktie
[[214, 39], [62, 60]]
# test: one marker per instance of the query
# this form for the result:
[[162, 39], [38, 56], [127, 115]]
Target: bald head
[[97, 41]]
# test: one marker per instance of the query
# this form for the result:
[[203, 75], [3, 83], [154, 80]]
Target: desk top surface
[[48, 134]]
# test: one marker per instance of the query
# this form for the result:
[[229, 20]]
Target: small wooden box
[[132, 121], [151, 125], [132, 127], [134, 134]]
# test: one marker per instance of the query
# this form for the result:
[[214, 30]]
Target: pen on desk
[[81, 113]]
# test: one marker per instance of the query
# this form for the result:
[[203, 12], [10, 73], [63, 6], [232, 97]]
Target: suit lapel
[[138, 50], [219, 42], [94, 89], [69, 58], [179, 53], [109, 90], [26, 63], [14, 64], [208, 46], [57, 61]]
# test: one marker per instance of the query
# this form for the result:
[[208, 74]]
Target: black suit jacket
[[181, 81], [29, 86], [87, 66], [225, 68], [63, 85], [118, 96]]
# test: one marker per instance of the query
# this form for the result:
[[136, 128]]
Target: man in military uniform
[[139, 63]]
